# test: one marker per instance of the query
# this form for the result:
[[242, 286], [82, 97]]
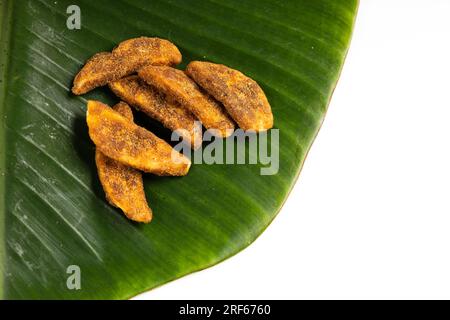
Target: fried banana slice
[[179, 87], [123, 185], [122, 140], [147, 99], [241, 96], [128, 57], [98, 71], [148, 51]]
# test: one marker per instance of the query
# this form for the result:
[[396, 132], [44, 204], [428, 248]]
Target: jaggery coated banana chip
[[147, 99], [179, 87], [123, 185], [127, 58], [148, 51], [98, 71], [241, 96], [134, 146]]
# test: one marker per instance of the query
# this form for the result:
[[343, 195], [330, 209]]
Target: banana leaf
[[53, 212]]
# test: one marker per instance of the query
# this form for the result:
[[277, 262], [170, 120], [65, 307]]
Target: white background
[[370, 215]]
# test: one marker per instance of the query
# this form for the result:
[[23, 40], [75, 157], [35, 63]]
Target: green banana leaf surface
[[53, 212]]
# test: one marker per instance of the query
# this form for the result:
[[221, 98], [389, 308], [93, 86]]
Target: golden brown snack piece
[[179, 87], [241, 96], [143, 97], [128, 57], [122, 140], [144, 51], [123, 185], [98, 71]]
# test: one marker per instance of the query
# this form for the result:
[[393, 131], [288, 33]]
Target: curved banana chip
[[128, 57], [179, 87], [134, 146], [241, 96], [123, 185]]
